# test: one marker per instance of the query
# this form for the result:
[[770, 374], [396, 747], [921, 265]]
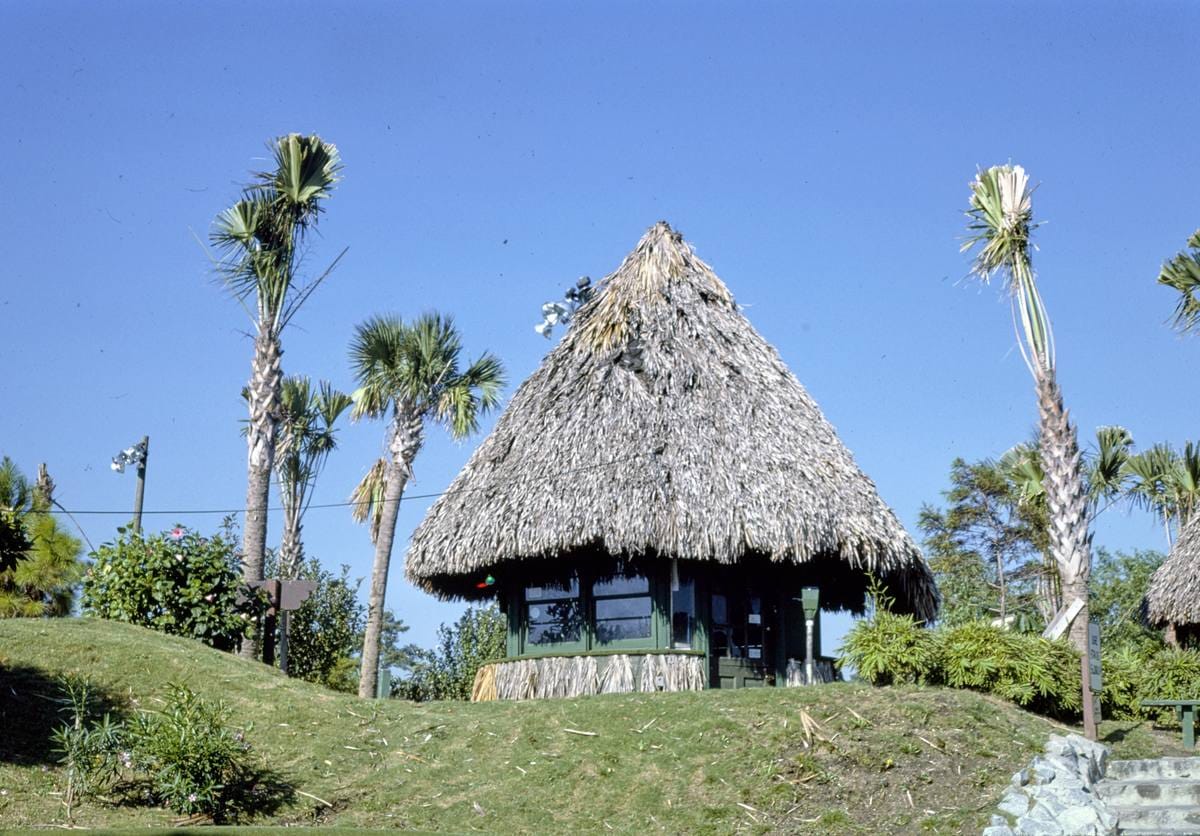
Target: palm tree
[[409, 373], [259, 239], [1166, 482], [306, 438], [1001, 220], [1182, 273]]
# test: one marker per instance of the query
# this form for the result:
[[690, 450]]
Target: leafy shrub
[[1123, 672], [194, 762], [325, 633], [1033, 672], [175, 582], [88, 746], [889, 649], [448, 672], [1170, 674]]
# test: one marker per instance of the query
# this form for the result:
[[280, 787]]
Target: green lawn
[[882, 760]]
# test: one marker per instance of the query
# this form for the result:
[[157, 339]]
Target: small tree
[[448, 671]]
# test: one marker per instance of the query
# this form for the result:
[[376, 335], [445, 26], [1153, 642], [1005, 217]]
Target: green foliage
[[987, 548], [1170, 674], [1116, 592], [194, 760], [448, 671], [1123, 671], [88, 746], [176, 582], [1182, 274], [889, 649], [1033, 672], [40, 564], [325, 633]]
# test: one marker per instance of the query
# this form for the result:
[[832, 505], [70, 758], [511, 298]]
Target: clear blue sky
[[817, 155]]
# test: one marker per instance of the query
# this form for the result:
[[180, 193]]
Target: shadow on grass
[[259, 792], [31, 708]]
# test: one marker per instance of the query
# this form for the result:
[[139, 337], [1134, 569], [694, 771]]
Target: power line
[[347, 504]]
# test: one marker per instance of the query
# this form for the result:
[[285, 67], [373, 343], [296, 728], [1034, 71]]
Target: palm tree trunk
[[265, 379], [1066, 500], [406, 442]]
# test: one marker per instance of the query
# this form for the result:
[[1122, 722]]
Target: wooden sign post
[[1093, 681]]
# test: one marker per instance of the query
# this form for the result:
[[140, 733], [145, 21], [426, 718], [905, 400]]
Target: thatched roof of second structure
[[663, 424], [1174, 593]]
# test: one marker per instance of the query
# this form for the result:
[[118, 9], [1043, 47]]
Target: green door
[[740, 639]]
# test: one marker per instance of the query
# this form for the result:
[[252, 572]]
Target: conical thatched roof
[[663, 424], [1174, 593]]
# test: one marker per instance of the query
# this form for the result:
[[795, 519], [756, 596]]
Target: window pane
[[683, 613], [622, 585], [569, 589], [553, 622], [623, 618]]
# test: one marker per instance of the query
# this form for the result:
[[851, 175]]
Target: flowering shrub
[[194, 761], [175, 582]]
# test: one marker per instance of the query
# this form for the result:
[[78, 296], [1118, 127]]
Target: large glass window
[[683, 609], [623, 608], [553, 614]]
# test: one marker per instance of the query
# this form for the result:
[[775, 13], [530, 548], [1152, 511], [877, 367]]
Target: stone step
[[1165, 819], [1169, 791], [1154, 770]]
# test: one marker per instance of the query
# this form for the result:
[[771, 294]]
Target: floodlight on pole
[[135, 455]]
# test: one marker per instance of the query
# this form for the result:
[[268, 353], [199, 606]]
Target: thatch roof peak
[[1173, 596], [664, 425]]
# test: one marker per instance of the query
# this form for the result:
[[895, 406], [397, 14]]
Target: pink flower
[[177, 533]]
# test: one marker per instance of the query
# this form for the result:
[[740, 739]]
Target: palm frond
[[1107, 474], [1182, 273], [368, 497], [1001, 223]]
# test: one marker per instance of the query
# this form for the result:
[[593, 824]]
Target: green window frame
[[590, 594], [621, 600], [542, 605]]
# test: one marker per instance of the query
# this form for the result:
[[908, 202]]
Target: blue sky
[[817, 155]]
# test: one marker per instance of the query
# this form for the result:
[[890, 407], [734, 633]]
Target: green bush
[[175, 582], [448, 672], [88, 745], [1123, 670], [1033, 672], [889, 649], [193, 760], [1170, 674]]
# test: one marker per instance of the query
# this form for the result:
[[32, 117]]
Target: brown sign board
[[285, 595], [294, 593]]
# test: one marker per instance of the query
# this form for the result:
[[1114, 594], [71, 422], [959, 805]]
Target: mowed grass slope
[[882, 760]]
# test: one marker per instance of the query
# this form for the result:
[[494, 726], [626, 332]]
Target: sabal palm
[[1001, 221], [1182, 274], [259, 240], [410, 374], [1165, 482], [306, 438]]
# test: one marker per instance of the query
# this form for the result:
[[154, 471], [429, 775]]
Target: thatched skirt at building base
[[578, 676]]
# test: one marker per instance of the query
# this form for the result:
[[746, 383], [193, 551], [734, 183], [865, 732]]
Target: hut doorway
[[742, 650]]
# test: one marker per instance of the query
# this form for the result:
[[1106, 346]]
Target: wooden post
[[140, 491], [1092, 681]]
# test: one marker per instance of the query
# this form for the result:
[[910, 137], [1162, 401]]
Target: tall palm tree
[[1001, 220], [259, 239], [306, 438], [410, 373]]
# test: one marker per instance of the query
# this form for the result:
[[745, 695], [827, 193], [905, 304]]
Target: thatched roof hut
[[664, 426], [1173, 598]]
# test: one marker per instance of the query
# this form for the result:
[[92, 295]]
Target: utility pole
[[140, 491], [137, 454]]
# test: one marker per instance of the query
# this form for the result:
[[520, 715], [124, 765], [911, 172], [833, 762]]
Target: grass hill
[[881, 760]]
